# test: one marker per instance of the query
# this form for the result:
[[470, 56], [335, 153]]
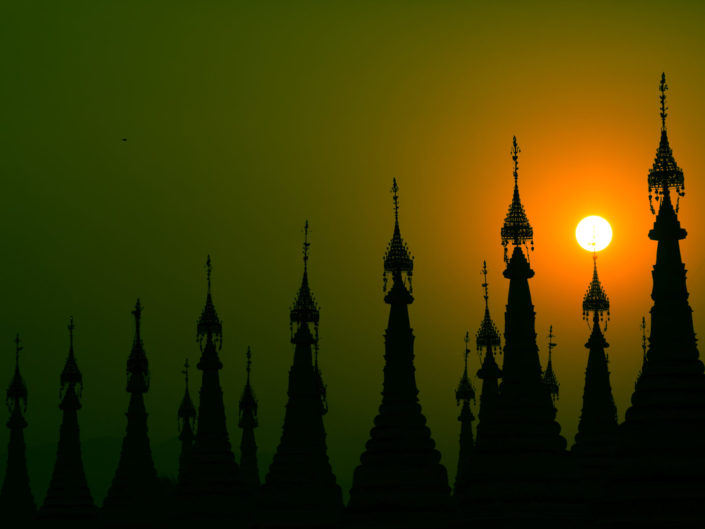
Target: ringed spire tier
[[16, 500], [516, 230], [300, 489], [400, 481]]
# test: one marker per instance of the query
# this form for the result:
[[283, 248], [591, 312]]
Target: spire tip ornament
[[549, 376], [516, 230], [397, 260]]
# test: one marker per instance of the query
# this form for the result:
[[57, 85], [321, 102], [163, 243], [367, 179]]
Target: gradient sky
[[243, 119]]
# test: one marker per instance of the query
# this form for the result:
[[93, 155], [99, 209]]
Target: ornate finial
[[487, 335], [209, 269], [187, 411], [549, 377], [137, 313], [17, 391], [249, 362], [516, 229], [397, 259], [71, 375], [465, 392], [595, 300], [306, 243], [18, 348], [185, 373], [662, 88], [71, 327], [515, 158], [209, 325], [665, 173]]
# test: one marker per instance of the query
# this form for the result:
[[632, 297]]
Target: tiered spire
[[210, 483], [134, 487], [664, 429], [16, 500], [465, 393], [300, 488], [187, 425], [598, 420], [247, 420], [549, 376], [68, 496], [400, 470]]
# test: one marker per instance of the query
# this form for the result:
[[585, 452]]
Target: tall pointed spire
[[210, 485], [133, 491], [549, 376], [664, 429], [516, 230], [400, 471], [300, 488], [16, 500], [68, 496], [187, 425], [597, 428], [465, 393], [247, 420]]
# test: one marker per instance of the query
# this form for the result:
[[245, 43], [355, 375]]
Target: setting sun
[[593, 233]]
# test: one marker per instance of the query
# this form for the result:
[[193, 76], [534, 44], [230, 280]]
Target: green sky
[[243, 119]]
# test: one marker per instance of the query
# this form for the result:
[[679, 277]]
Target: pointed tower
[[210, 484], [465, 393], [549, 376], [247, 420], [16, 500], [135, 487], [187, 422], [68, 496], [400, 480], [664, 429], [487, 338], [597, 428], [300, 489]]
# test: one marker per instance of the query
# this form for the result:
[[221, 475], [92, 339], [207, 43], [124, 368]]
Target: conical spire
[[134, 490], [16, 500], [400, 470], [487, 335], [516, 229], [68, 496], [300, 488], [464, 394], [549, 376], [247, 420], [187, 424], [209, 325], [597, 428]]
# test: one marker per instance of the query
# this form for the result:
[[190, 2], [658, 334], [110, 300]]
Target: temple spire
[[16, 500], [400, 468], [597, 428], [549, 376], [516, 230], [300, 488], [464, 394], [247, 420], [187, 423], [210, 484], [68, 496], [133, 491]]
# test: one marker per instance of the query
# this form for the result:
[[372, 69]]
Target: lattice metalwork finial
[[304, 310], [397, 260], [249, 362], [487, 335], [596, 304], [185, 372], [306, 243], [17, 391], [665, 174], [209, 271], [465, 392], [516, 229], [395, 198]]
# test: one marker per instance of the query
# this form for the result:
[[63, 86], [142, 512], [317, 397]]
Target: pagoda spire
[[68, 496], [465, 393], [664, 429], [16, 500], [247, 420], [300, 488], [549, 376], [134, 486], [597, 428], [187, 425], [524, 397], [400, 470], [210, 483]]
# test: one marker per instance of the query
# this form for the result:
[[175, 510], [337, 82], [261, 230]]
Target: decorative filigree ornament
[[516, 229]]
